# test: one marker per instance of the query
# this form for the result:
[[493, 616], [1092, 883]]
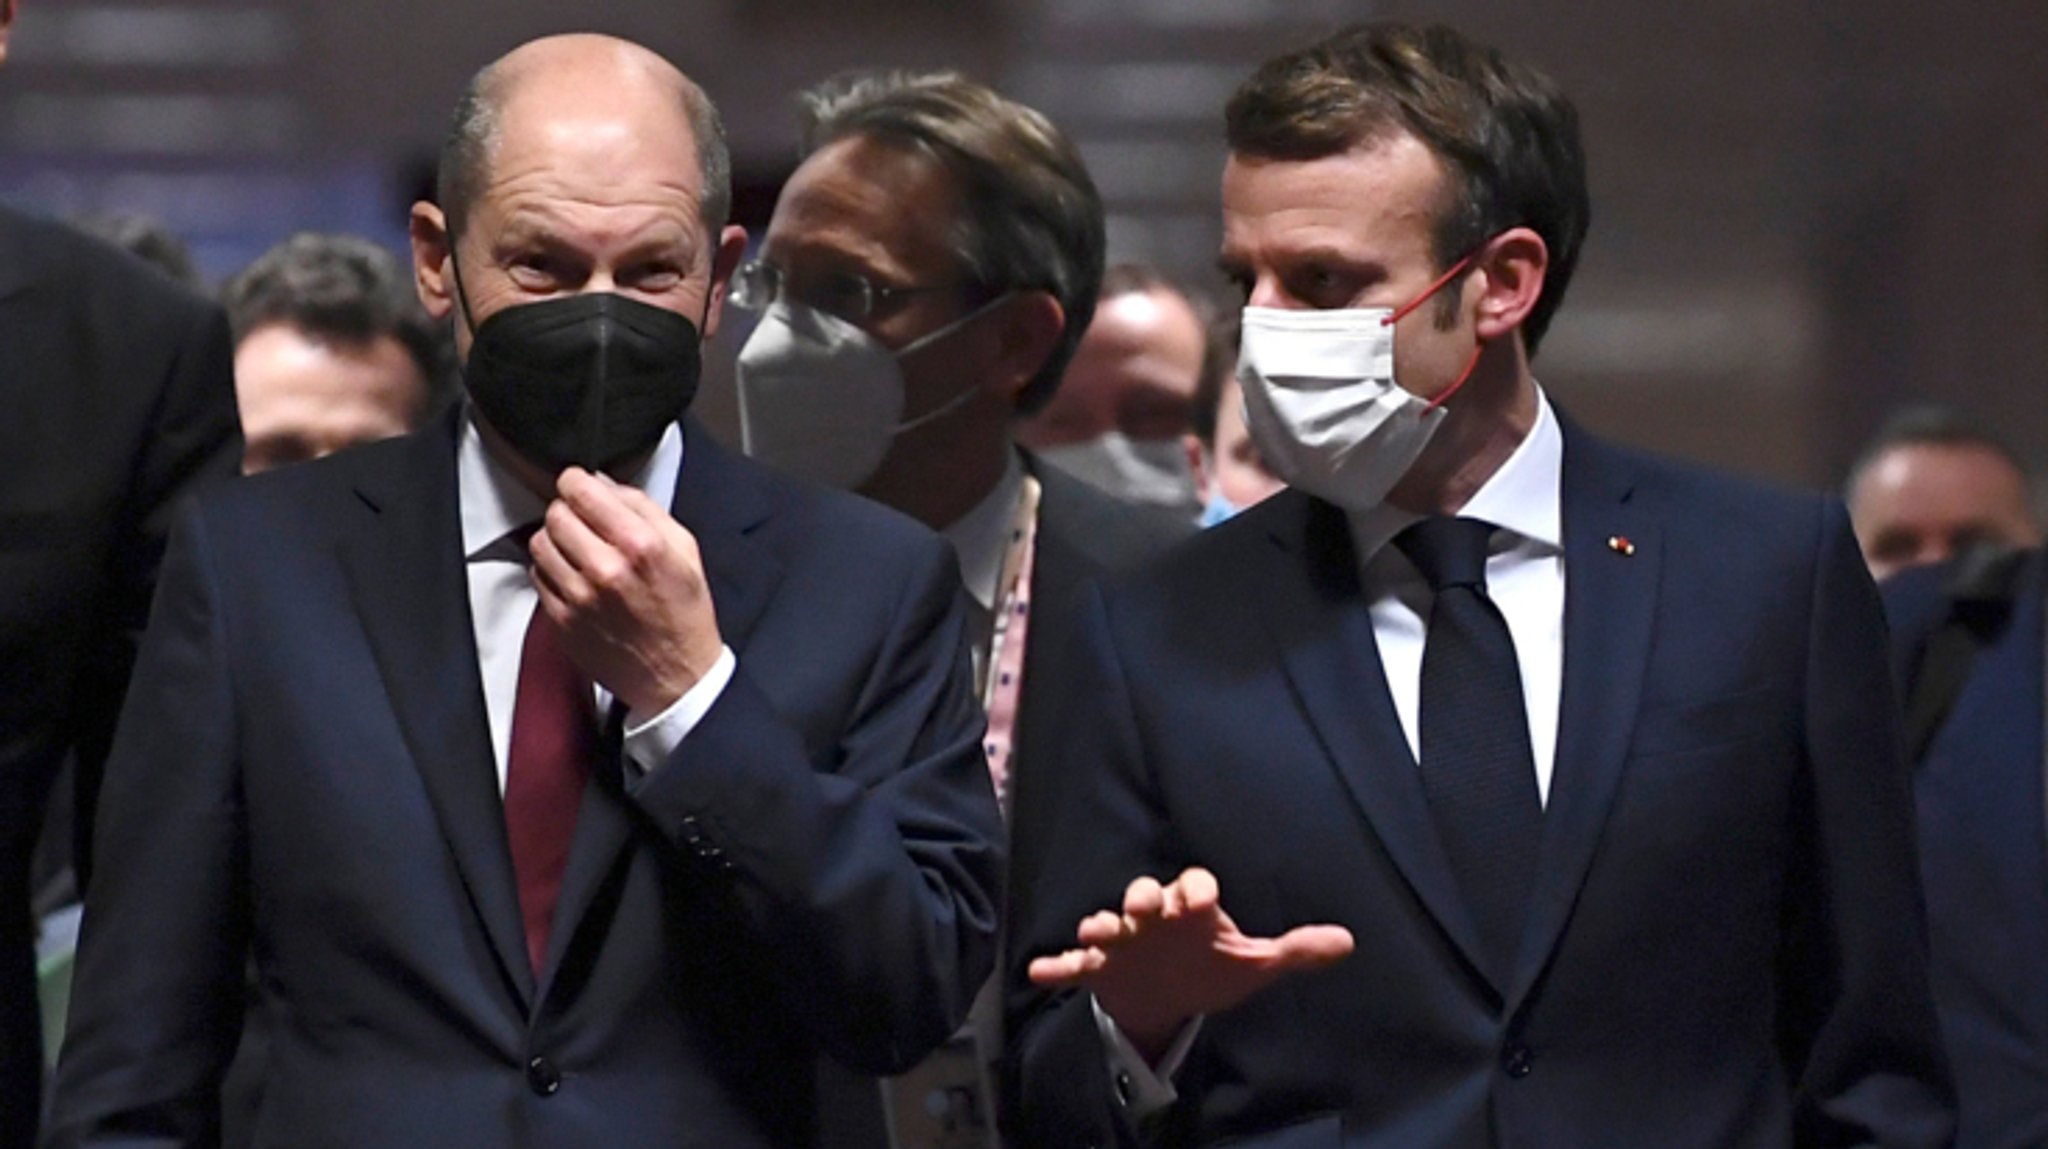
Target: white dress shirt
[[502, 599], [981, 541], [1524, 578]]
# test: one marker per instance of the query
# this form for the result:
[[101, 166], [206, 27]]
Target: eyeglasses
[[850, 297]]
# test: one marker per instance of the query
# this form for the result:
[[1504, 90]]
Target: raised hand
[[1173, 954], [625, 583]]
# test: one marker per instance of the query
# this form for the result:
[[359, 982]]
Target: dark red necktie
[[554, 743]]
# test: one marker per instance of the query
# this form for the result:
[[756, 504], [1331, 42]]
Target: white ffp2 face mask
[[823, 400], [1321, 404], [1150, 471]]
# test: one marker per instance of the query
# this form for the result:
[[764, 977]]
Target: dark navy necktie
[[1477, 768]]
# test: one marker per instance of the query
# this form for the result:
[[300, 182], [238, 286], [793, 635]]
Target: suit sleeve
[[193, 438], [1857, 1022], [158, 992], [871, 890], [1086, 821]]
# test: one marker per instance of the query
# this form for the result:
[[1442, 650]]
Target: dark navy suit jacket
[[1984, 859], [119, 399], [1725, 947], [304, 766]]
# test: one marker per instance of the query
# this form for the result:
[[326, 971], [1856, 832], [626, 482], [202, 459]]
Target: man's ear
[[1511, 273], [1029, 326], [433, 276], [732, 246], [1198, 464]]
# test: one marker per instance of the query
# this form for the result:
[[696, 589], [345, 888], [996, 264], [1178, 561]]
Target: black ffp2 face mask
[[588, 380]]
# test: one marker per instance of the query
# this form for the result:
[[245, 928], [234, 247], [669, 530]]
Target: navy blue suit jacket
[[1984, 863], [304, 766], [1725, 946]]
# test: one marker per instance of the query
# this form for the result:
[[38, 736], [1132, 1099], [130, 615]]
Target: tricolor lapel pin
[[1620, 545]]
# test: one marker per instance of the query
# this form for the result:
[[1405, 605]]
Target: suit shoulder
[[835, 522], [121, 285], [1113, 533]]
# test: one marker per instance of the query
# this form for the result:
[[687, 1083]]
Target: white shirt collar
[[1523, 497], [981, 537], [495, 504]]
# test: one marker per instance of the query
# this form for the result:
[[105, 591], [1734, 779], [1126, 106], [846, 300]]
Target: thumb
[[1311, 947]]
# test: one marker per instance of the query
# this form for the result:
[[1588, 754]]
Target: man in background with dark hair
[[1931, 485], [119, 403], [1493, 785], [332, 348], [929, 270], [573, 781], [1127, 399]]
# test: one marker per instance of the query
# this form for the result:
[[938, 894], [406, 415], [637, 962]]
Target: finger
[[1199, 890], [1311, 947], [1101, 929], [552, 570], [1070, 968], [1143, 899], [600, 504]]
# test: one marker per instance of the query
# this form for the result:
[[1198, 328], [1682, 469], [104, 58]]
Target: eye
[[656, 276]]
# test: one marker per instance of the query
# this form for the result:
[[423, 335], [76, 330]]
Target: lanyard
[[1005, 671]]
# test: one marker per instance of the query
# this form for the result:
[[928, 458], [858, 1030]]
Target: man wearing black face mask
[[575, 782]]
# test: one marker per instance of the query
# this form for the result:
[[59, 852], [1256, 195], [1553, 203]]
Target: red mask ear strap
[[1471, 365], [1408, 308]]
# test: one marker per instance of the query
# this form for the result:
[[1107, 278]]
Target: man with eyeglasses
[[929, 269]]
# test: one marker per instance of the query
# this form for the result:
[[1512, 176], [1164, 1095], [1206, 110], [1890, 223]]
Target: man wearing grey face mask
[[929, 269], [1120, 416]]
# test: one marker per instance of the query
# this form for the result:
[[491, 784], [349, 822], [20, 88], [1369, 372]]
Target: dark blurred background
[[1804, 214]]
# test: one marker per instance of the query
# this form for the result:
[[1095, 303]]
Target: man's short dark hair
[[1927, 425], [473, 132], [1030, 217], [1507, 136], [344, 289]]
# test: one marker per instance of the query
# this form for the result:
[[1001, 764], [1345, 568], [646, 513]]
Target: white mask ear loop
[[926, 340]]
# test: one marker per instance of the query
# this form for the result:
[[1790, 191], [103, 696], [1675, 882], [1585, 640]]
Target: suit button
[[542, 1077], [1517, 1060], [1123, 1086]]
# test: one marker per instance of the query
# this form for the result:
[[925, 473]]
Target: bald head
[[579, 79]]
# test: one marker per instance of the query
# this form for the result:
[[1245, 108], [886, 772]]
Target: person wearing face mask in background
[[1128, 397], [1494, 785], [574, 781], [927, 273], [1229, 474]]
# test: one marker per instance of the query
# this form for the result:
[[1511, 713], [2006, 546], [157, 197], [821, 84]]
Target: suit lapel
[[1613, 556], [405, 568], [720, 506], [1324, 631]]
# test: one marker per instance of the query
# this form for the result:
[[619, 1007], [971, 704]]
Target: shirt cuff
[[1144, 1090], [649, 743]]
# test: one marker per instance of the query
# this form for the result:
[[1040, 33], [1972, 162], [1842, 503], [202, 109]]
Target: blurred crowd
[[914, 741]]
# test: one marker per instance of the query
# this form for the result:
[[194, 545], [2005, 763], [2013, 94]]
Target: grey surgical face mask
[[823, 400], [1151, 471]]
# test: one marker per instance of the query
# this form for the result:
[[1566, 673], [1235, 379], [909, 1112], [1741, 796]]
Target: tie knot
[[510, 547], [1448, 551]]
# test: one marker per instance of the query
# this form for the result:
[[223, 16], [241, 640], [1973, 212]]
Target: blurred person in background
[[1494, 784], [1930, 485], [926, 277], [1967, 642], [332, 348], [1121, 411], [1229, 475], [148, 239], [120, 402], [573, 781]]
